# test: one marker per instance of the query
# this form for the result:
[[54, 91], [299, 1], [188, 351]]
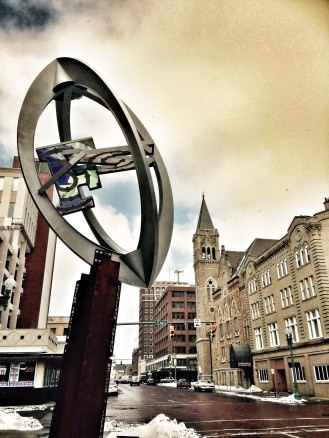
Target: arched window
[[213, 253], [208, 253], [211, 287], [203, 253], [307, 253]]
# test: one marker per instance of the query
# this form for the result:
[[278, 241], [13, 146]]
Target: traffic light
[[212, 331], [171, 331]]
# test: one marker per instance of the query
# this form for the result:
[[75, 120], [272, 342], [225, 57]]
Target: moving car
[[135, 381], [183, 383], [113, 389], [204, 385], [168, 380], [150, 381]]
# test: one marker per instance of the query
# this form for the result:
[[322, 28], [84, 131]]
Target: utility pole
[[178, 271]]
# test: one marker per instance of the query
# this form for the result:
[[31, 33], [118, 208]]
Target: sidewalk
[[257, 394]]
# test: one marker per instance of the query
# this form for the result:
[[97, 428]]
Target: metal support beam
[[82, 391]]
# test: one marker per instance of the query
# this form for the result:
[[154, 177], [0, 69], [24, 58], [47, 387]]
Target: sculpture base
[[82, 391]]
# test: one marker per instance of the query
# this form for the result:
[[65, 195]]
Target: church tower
[[206, 258]]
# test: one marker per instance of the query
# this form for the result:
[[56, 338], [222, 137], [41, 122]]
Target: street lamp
[[10, 283], [289, 336], [211, 334]]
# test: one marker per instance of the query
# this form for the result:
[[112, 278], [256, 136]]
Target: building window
[[221, 331], [265, 278], [177, 294], [263, 375], [291, 326], [228, 329], [314, 324], [15, 184], [282, 268], [223, 353], [203, 253], [246, 330], [214, 253], [302, 256], [300, 374], [252, 287], [307, 288], [297, 259], [210, 288], [259, 338], [11, 208], [307, 253], [321, 373], [254, 310], [236, 327], [269, 304], [274, 334], [286, 297]]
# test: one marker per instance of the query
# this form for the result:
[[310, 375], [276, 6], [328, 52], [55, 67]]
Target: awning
[[24, 357], [240, 356]]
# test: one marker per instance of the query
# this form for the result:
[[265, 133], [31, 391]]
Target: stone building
[[219, 300], [255, 296], [291, 293]]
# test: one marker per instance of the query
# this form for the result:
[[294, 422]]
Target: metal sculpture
[[62, 81], [73, 164]]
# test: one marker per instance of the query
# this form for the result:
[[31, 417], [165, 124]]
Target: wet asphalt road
[[211, 415], [216, 415]]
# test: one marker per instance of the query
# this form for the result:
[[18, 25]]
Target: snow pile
[[10, 420], [289, 400], [160, 427], [231, 388], [254, 388]]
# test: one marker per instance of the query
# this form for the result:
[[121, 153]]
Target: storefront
[[28, 378]]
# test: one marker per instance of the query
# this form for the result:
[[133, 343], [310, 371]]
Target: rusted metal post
[[82, 391]]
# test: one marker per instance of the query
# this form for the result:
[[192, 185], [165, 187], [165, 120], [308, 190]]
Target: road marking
[[254, 419], [291, 433], [274, 431]]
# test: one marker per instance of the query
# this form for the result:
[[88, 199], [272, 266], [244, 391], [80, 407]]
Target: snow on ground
[[11, 420], [160, 427], [263, 396], [253, 392]]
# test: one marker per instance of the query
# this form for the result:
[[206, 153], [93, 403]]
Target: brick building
[[177, 355]]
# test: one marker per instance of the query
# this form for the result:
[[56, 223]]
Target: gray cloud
[[26, 14]]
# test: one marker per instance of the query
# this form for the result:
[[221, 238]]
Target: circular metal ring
[[63, 80]]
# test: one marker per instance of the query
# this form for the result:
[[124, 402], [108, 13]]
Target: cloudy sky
[[234, 92]]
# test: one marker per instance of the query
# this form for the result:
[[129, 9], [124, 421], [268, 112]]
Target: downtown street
[[208, 414], [218, 415]]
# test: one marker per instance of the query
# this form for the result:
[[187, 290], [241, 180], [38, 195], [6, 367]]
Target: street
[[217, 415]]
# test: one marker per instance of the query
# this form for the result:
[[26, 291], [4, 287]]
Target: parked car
[[135, 381], [113, 389], [150, 381], [183, 383], [204, 385], [168, 380], [143, 378]]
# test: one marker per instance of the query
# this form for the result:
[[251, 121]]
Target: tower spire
[[204, 221]]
